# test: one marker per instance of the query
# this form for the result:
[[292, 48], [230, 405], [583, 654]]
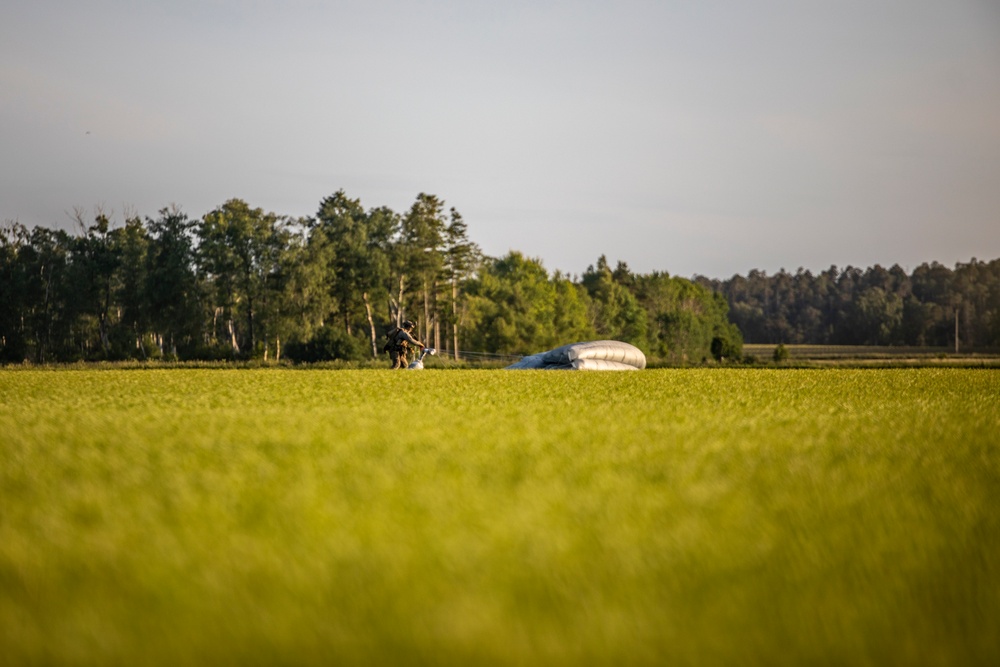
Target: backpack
[[390, 339]]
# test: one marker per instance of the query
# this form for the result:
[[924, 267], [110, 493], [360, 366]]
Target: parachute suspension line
[[483, 355]]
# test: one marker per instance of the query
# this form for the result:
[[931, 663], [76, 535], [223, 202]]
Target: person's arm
[[413, 340]]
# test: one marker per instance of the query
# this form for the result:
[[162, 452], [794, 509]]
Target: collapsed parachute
[[418, 363], [595, 355]]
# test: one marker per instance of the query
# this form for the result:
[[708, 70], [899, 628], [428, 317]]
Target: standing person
[[400, 343]]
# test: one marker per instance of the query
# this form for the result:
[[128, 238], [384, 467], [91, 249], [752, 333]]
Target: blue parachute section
[[595, 355]]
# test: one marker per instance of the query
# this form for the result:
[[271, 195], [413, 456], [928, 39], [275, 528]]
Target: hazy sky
[[689, 137]]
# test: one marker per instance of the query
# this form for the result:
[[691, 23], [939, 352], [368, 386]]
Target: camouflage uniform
[[399, 351]]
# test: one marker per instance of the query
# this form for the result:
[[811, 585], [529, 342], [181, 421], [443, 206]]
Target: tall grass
[[488, 517]]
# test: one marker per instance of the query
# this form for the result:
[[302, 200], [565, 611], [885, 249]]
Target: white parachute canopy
[[595, 355], [418, 363]]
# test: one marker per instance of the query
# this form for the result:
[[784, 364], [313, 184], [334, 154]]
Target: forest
[[240, 283], [932, 306]]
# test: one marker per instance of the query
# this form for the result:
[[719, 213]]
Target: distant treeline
[[240, 283], [876, 306]]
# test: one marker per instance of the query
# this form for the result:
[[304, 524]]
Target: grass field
[[880, 356], [667, 517]]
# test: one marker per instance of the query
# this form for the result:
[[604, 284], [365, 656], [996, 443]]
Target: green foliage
[[874, 306], [571, 319], [727, 347], [327, 344], [420, 257], [615, 311], [13, 286], [172, 297], [513, 304], [356, 261], [715, 516], [243, 284], [422, 233], [133, 318], [685, 319], [307, 287], [780, 353], [37, 292], [727, 343], [92, 275], [241, 249]]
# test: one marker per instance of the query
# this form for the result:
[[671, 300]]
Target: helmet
[[407, 324]]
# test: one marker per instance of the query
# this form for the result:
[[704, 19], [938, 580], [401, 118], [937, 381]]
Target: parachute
[[595, 355], [418, 363]]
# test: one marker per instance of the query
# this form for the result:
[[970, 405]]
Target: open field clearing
[[681, 517]]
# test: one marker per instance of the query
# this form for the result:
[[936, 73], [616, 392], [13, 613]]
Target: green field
[[884, 356], [666, 517]]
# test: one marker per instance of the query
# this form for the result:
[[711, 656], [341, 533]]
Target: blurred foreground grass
[[489, 517]]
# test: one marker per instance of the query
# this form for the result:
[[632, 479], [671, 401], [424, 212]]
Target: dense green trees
[[358, 247], [242, 283], [687, 321], [171, 296], [238, 283], [513, 304], [36, 292], [518, 309], [615, 310], [241, 251], [934, 305]]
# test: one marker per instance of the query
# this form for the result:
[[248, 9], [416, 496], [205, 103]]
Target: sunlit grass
[[662, 517]]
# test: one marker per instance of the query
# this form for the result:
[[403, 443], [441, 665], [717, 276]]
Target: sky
[[688, 137]]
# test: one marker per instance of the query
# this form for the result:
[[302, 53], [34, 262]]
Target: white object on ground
[[595, 355], [418, 363]]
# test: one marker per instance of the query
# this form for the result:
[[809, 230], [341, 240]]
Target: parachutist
[[399, 342]]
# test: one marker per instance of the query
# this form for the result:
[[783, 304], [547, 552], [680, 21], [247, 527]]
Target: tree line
[[240, 283], [931, 306]]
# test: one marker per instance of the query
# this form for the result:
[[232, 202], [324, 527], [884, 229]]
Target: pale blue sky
[[689, 137]]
